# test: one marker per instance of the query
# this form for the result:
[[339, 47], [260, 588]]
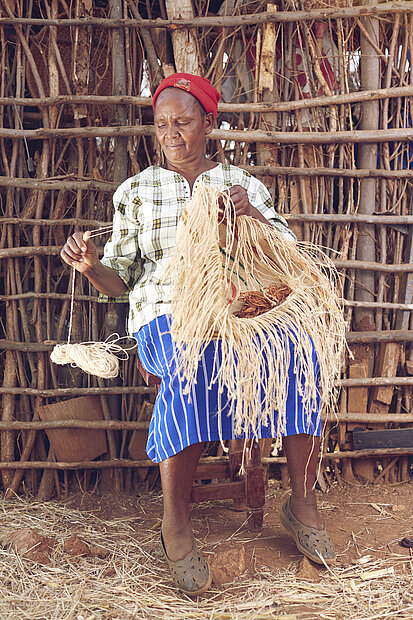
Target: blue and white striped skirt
[[179, 419]]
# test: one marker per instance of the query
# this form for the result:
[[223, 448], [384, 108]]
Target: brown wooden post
[[254, 487], [268, 92], [362, 364], [115, 318], [235, 452], [120, 161], [184, 40]]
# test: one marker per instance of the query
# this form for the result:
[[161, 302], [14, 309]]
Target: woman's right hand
[[79, 252]]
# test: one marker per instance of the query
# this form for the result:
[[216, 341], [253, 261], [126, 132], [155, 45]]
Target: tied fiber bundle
[[100, 359], [241, 281]]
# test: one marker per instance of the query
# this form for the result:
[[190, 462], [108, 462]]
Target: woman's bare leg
[[302, 459], [177, 475]]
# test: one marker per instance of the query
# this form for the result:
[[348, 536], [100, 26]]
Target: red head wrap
[[199, 87]]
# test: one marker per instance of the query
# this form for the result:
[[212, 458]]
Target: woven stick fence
[[317, 101]]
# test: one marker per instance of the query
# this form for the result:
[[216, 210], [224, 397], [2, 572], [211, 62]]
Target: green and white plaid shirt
[[147, 209]]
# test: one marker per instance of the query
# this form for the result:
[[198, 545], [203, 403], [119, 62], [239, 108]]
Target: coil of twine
[[100, 359]]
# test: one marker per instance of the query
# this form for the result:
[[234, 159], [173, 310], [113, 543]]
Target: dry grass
[[133, 582]]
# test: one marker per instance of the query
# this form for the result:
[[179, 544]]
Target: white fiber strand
[[72, 303]]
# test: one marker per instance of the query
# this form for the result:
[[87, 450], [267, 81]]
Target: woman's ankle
[[305, 510], [178, 539], [304, 499]]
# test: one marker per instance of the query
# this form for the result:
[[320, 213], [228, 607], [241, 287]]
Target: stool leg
[[235, 451], [285, 477], [255, 487], [265, 445]]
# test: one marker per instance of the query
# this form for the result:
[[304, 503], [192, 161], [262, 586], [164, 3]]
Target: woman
[[147, 209]]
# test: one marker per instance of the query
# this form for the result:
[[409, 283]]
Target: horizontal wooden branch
[[225, 21], [291, 171], [263, 107], [328, 172], [390, 335], [87, 391], [273, 137], [35, 347], [27, 347], [372, 381], [59, 297], [42, 250], [59, 183], [79, 132], [387, 335], [359, 454], [118, 463], [47, 250], [315, 102], [114, 425], [314, 137], [370, 266], [39, 102], [118, 425], [371, 418], [343, 218], [109, 464], [94, 299], [125, 463], [378, 304], [70, 221], [48, 393]]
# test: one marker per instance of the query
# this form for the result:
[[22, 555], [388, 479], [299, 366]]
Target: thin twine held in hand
[[100, 359], [102, 230]]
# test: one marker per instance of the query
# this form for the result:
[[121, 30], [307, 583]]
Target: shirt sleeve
[[260, 198], [122, 253]]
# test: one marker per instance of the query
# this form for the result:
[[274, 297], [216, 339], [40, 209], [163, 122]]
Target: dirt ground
[[360, 519], [102, 560]]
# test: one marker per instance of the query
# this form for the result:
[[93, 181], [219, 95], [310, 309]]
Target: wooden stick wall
[[317, 102]]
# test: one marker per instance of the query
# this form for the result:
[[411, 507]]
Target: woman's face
[[180, 127]]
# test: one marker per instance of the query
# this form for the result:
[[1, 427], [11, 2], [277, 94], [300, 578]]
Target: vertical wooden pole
[[82, 42], [362, 365], [184, 40], [46, 487], [120, 153], [8, 439], [156, 74], [366, 249], [115, 318], [267, 91]]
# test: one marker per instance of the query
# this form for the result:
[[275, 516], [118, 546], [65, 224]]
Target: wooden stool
[[246, 490]]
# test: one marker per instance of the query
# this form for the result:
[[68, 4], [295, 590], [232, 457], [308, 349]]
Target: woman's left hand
[[242, 205], [239, 197]]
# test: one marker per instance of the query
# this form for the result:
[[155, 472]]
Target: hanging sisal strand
[[241, 281]]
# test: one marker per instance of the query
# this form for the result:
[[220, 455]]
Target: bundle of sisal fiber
[[241, 281]]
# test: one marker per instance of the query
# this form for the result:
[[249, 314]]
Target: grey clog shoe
[[192, 575], [313, 543]]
